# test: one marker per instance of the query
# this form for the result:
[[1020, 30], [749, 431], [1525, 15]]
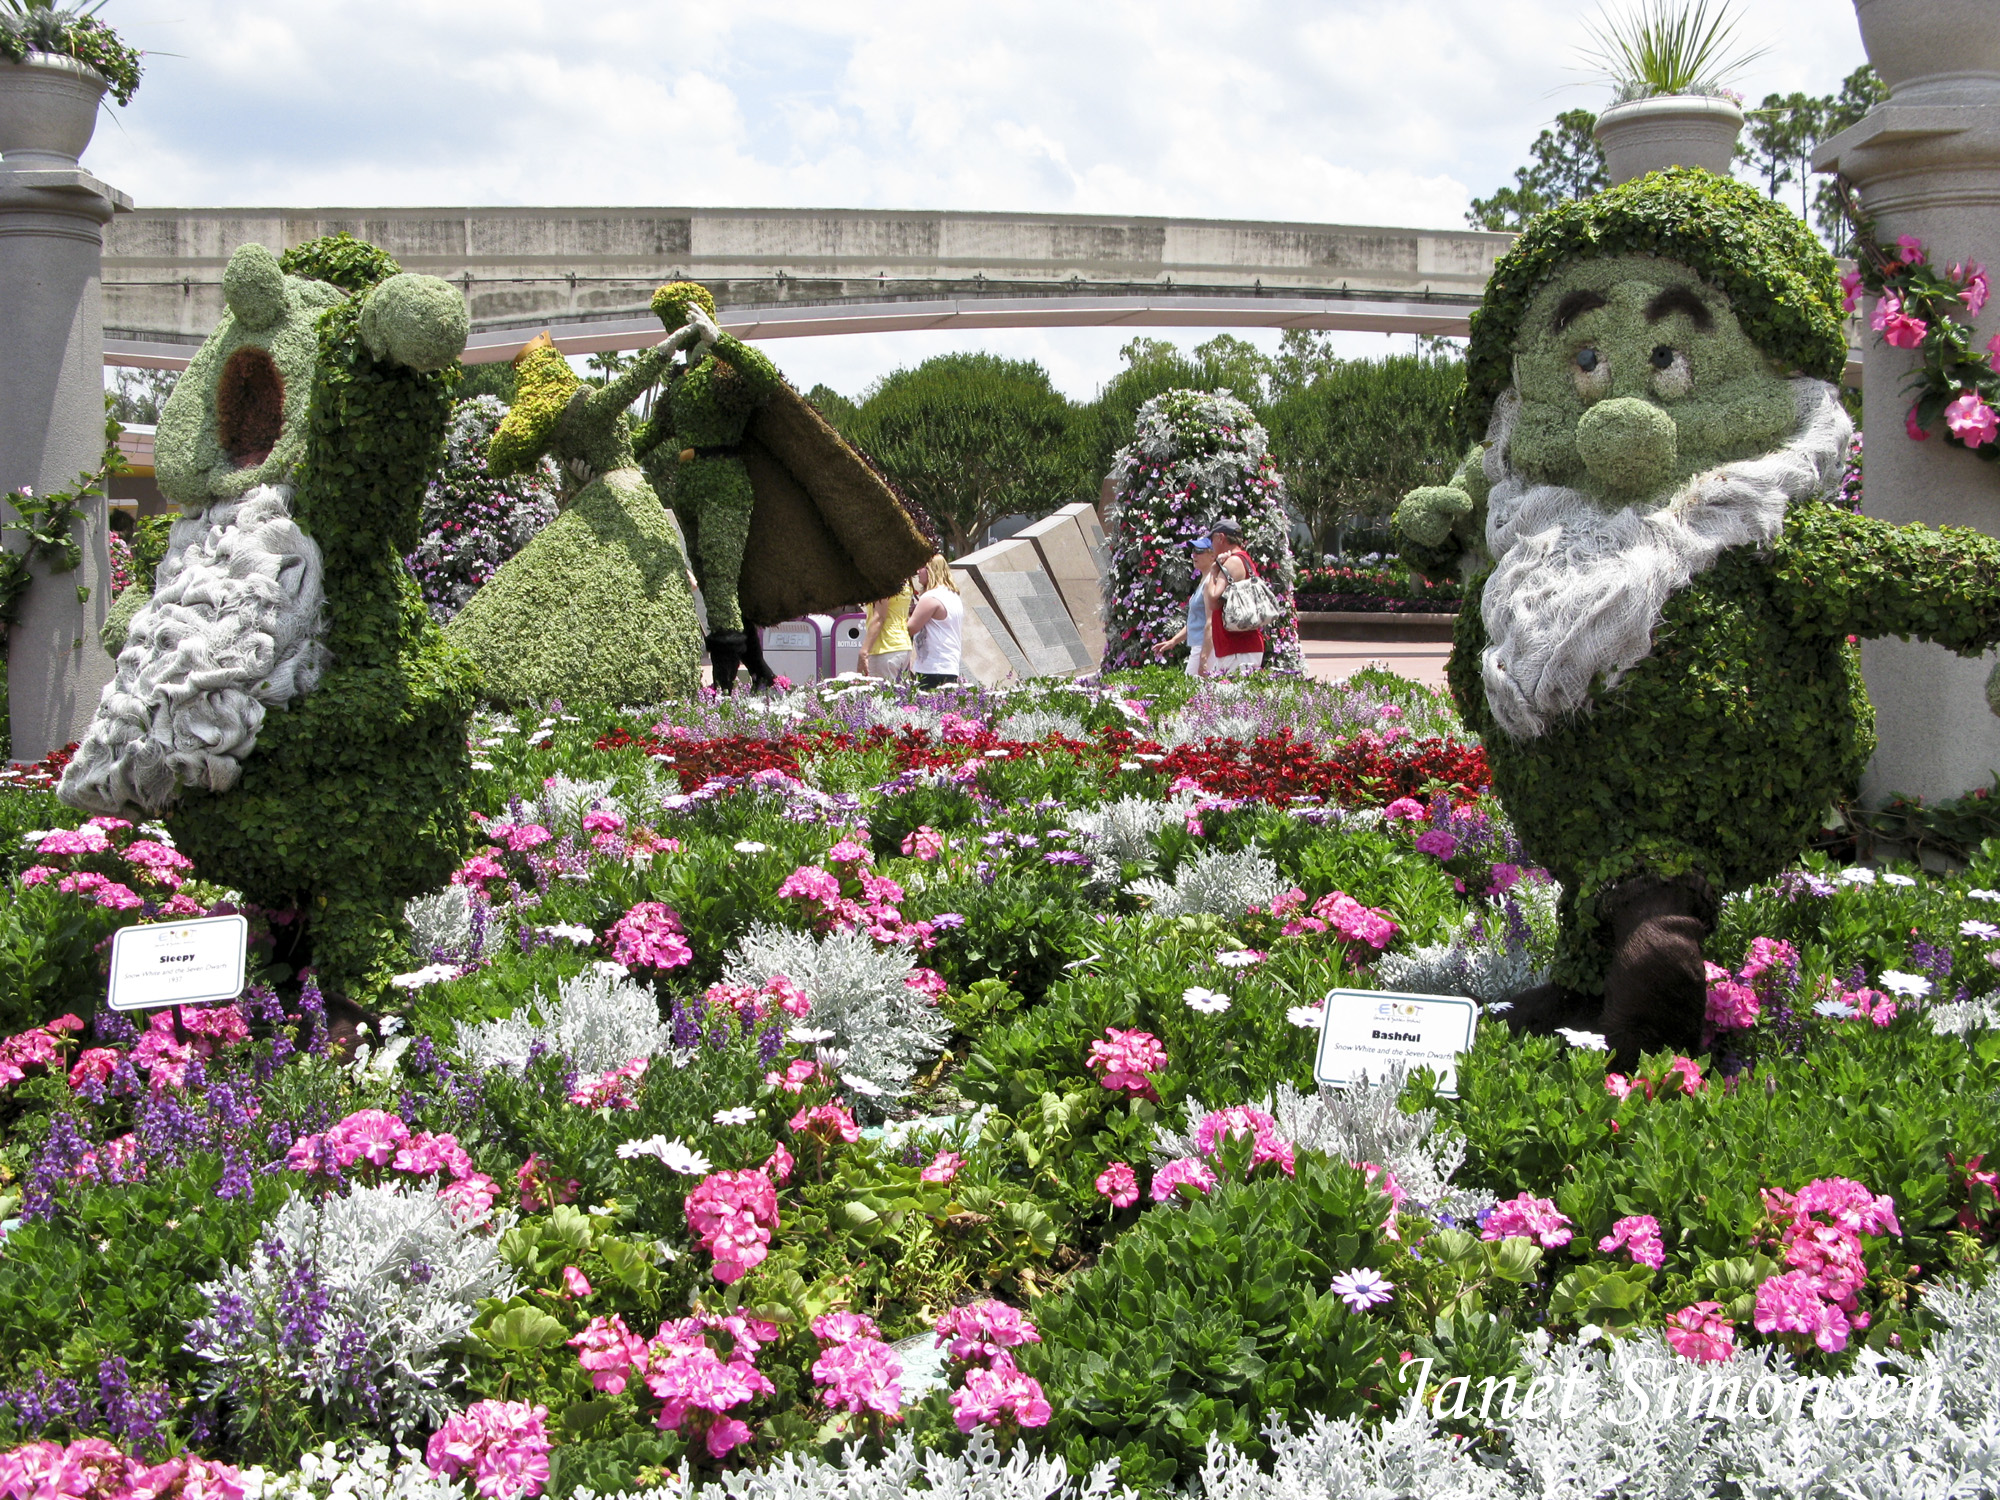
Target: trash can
[[850, 633], [800, 649]]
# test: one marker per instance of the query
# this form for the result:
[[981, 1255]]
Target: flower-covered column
[[1926, 165], [52, 218]]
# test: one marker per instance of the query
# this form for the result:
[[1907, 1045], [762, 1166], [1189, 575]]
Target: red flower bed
[[1361, 771], [41, 775]]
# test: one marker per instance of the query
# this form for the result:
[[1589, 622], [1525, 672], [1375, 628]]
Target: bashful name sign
[[1364, 1033], [178, 963]]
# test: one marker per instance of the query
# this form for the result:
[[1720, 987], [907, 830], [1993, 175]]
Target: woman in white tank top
[[936, 625]]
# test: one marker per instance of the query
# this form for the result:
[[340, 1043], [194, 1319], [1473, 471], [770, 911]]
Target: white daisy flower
[[428, 974], [1985, 931], [482, 765], [573, 932], [1856, 875], [750, 846], [1912, 986], [1840, 1010], [1890, 877], [1307, 1017], [807, 1036], [1584, 1041], [1239, 958], [1208, 1002], [676, 1155], [1984, 895], [743, 1114]]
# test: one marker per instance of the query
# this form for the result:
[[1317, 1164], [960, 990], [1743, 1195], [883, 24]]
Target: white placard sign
[[1365, 1032], [178, 963]]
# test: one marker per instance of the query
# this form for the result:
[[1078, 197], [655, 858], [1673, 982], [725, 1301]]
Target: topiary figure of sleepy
[[597, 607], [283, 698], [1655, 643]]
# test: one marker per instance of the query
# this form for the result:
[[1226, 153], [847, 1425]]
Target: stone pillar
[[1927, 162], [52, 218]]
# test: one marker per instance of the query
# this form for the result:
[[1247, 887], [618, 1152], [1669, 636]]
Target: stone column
[[1927, 162], [52, 218]]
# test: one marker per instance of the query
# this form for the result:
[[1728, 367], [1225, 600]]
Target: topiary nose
[[1628, 445]]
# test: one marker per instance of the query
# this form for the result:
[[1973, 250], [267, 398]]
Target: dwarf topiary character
[[283, 698], [597, 607], [1655, 642]]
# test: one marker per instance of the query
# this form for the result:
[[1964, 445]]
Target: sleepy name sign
[[178, 963], [1363, 1033]]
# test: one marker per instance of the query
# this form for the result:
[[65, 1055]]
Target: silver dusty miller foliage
[[597, 1019], [1124, 830], [440, 922], [1363, 1123], [885, 1029], [360, 1300], [1221, 882]]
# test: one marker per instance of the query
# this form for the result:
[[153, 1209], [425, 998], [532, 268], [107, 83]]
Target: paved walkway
[[1335, 661]]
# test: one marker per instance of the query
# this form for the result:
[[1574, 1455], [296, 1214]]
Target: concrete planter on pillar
[[52, 218], [1671, 130], [1927, 162], [48, 109]]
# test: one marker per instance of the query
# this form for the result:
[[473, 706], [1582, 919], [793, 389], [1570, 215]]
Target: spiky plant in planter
[[73, 31]]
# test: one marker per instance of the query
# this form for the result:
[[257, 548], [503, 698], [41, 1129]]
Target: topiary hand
[[416, 321], [1429, 515], [702, 323]]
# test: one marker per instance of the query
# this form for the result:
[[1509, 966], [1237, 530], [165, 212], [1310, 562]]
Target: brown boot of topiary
[[1656, 994], [725, 655], [1547, 1009]]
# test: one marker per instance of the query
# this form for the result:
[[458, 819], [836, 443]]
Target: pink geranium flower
[[471, 1198], [827, 1123], [503, 1444], [423, 1154], [1188, 1171], [860, 1374], [943, 1168], [926, 843], [844, 1327], [1699, 1332], [1120, 1184], [649, 936], [1529, 1217], [984, 1330], [1243, 1120], [575, 1283], [996, 1396], [609, 1350], [733, 1214], [1123, 1059], [1404, 809], [1639, 1236]]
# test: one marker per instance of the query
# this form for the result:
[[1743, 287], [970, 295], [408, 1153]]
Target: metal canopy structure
[[585, 274]]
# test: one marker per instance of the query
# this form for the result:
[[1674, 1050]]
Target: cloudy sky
[[1332, 111]]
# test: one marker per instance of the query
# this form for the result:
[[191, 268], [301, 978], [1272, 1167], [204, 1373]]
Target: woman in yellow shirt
[[886, 651]]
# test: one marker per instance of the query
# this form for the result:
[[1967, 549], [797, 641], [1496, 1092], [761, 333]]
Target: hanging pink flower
[[1912, 249], [1972, 420], [1898, 329], [1913, 427], [1850, 290]]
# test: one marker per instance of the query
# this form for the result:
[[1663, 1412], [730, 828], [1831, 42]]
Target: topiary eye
[[1663, 357], [1586, 360]]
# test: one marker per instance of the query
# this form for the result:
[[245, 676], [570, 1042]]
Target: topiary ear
[[254, 288], [543, 384]]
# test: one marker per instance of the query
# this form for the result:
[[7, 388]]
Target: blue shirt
[[1197, 621]]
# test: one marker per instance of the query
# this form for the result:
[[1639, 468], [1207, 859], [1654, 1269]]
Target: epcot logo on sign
[[178, 963], [1366, 1033]]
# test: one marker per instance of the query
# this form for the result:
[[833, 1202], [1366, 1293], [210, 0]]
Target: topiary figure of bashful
[[598, 606], [284, 699], [1655, 643]]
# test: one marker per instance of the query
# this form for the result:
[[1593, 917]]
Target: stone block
[[1011, 575], [1071, 564]]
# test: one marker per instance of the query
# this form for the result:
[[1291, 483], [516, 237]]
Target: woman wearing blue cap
[[1196, 629]]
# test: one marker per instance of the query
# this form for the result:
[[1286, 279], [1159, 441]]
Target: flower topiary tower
[[1195, 458], [474, 520]]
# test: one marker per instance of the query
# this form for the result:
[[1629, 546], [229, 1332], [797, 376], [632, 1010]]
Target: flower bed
[[922, 1083]]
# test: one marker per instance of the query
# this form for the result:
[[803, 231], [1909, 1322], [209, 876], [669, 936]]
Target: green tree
[[1859, 92], [1778, 143], [836, 408], [494, 379], [1566, 163], [972, 438], [1354, 440]]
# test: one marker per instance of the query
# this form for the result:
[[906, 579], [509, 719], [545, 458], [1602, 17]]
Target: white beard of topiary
[[1577, 590], [233, 629]]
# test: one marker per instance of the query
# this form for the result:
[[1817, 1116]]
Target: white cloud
[[1355, 111]]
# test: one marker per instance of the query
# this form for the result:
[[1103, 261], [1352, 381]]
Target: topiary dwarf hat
[[543, 384], [1781, 283]]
